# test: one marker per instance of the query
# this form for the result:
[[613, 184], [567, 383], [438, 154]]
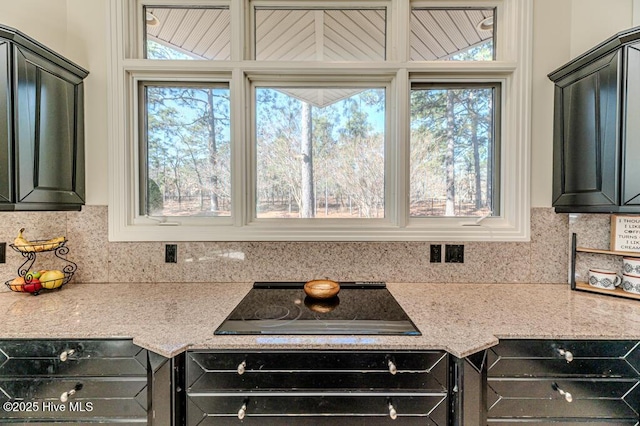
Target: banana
[[24, 245], [53, 242]]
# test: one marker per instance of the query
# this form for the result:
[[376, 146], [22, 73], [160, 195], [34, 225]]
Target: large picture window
[[320, 152], [376, 120]]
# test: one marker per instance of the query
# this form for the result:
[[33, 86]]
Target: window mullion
[[398, 41], [240, 150], [239, 32], [399, 142]]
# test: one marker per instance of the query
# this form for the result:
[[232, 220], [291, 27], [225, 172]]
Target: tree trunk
[[176, 177], [201, 184], [449, 158], [326, 199], [213, 152], [306, 148]]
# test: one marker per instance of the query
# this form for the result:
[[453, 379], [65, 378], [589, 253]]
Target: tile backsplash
[[544, 259]]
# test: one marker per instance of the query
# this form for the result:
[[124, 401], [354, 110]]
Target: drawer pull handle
[[567, 396], [241, 367], [566, 354], [393, 414], [242, 411], [64, 356], [392, 367], [66, 395]]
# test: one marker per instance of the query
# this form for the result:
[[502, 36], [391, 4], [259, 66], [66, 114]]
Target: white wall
[[87, 44], [593, 21], [44, 20], [551, 48], [78, 29]]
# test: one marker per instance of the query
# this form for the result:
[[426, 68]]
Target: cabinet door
[[49, 132], [631, 154], [586, 132], [5, 125]]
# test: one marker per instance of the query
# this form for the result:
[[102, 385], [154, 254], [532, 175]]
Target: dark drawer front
[[316, 370], [557, 422], [99, 398], [71, 358], [86, 388], [563, 398], [336, 381], [289, 409], [317, 421], [555, 358]]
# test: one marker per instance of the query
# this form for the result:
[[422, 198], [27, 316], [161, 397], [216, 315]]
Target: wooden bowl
[[321, 289]]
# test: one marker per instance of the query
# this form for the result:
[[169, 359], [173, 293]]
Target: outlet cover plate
[[171, 253], [436, 253], [454, 253]]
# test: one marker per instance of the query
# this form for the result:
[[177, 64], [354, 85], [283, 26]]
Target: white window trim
[[512, 68]]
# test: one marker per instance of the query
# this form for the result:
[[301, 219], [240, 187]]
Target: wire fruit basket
[[34, 281]]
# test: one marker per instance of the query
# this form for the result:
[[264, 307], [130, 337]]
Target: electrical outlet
[[436, 253], [454, 253], [171, 253], [3, 252]]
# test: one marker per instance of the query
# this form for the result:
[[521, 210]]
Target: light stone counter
[[460, 318]]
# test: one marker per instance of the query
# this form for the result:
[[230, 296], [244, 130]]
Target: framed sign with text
[[625, 233]]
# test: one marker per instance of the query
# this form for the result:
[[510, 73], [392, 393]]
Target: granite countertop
[[459, 318]]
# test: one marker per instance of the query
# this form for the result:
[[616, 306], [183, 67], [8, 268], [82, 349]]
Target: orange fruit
[[17, 284]]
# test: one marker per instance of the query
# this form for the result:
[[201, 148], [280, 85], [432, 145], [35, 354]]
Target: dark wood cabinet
[[569, 382], [41, 127], [73, 380], [317, 388], [596, 130], [84, 381]]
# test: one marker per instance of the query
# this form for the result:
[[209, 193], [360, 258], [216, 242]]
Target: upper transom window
[[283, 34], [187, 32], [453, 34]]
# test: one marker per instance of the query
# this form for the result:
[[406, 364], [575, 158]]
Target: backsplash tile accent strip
[[543, 260], [89, 243], [550, 246]]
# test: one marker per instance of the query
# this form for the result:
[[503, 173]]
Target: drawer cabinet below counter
[[82, 381], [572, 382], [317, 388]]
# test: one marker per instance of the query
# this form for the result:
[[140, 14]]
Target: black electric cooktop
[[360, 308]]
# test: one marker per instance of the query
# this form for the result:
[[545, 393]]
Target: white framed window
[[312, 141], [185, 149], [373, 120], [455, 149]]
